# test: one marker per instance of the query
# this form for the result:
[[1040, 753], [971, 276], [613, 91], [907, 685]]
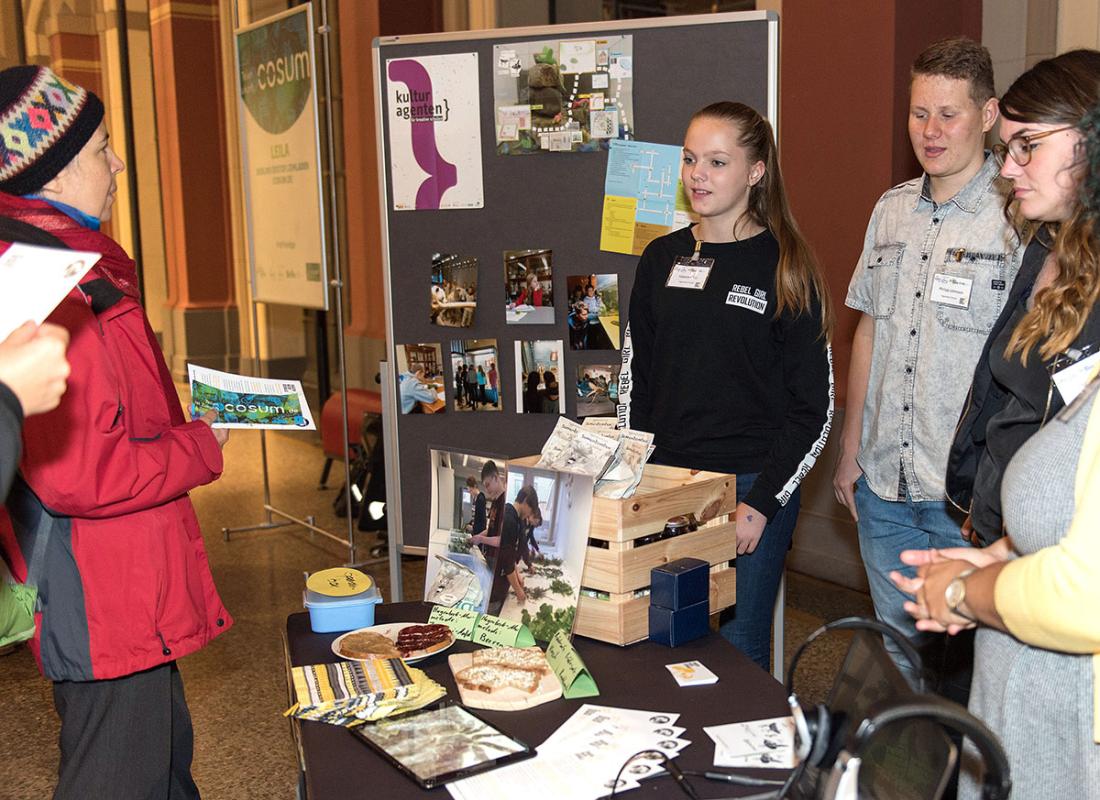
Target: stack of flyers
[[581, 759], [616, 458], [761, 743]]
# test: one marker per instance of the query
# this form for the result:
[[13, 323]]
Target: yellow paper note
[[617, 225]]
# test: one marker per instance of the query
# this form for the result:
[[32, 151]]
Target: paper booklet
[[35, 280], [616, 458], [761, 743], [244, 402]]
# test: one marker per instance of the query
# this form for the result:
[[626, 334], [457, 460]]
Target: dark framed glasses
[[1019, 148]]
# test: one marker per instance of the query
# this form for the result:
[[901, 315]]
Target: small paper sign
[[576, 680], [339, 582], [461, 621], [496, 632]]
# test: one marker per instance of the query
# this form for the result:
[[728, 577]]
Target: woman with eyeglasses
[[1017, 454], [1047, 324]]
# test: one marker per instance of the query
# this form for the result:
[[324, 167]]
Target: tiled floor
[[243, 745]]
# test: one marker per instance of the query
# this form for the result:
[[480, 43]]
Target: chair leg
[[324, 473]]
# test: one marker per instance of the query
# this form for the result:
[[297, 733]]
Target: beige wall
[[1078, 24]]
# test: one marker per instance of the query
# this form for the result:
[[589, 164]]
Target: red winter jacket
[[101, 519]]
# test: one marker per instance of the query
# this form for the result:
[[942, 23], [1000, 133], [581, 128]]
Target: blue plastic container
[[328, 614]]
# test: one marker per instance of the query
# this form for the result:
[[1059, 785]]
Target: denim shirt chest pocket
[[884, 264], [988, 289]]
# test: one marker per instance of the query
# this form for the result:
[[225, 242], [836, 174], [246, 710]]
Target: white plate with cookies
[[411, 641]]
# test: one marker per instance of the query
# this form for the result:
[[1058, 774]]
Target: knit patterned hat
[[44, 122]]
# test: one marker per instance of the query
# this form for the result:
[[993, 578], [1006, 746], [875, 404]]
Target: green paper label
[[496, 632], [461, 621], [576, 680]]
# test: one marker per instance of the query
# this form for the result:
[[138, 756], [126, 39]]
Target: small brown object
[[423, 638], [368, 645]]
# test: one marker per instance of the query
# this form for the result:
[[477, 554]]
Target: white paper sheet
[[35, 280]]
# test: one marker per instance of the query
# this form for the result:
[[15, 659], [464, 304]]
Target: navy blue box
[[675, 628], [679, 583]]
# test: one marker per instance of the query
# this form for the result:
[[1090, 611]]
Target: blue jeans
[[758, 575], [886, 527]]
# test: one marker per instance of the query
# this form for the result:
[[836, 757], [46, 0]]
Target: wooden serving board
[[507, 698]]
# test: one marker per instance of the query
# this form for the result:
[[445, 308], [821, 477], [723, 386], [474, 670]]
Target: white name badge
[[1071, 380], [689, 274], [951, 290]]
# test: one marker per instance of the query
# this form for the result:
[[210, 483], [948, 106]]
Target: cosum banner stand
[[283, 190]]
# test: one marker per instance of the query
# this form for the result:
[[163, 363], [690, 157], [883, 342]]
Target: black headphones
[[997, 781], [814, 728]]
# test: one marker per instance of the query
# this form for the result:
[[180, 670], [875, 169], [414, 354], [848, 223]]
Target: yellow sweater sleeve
[[1049, 598]]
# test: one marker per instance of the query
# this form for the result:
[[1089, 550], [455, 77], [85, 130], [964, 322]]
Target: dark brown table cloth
[[338, 765]]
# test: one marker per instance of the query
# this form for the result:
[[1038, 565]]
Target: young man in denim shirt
[[937, 262]]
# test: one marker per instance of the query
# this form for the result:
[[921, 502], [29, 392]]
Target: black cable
[[739, 780]]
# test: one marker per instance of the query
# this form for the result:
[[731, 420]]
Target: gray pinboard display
[[544, 200]]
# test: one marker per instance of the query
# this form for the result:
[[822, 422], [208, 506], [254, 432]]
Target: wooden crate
[[618, 565]]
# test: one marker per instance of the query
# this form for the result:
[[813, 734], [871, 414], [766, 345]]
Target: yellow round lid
[[339, 582]]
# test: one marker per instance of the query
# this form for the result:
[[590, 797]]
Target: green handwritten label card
[[461, 621], [576, 680], [496, 632]]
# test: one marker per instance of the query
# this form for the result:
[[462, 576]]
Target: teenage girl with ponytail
[[737, 305]]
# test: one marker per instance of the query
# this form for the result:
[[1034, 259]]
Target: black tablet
[[442, 744]]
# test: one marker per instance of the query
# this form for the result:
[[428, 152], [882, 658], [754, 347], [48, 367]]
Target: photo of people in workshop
[[476, 380], [420, 382], [465, 489], [593, 312], [543, 536], [454, 290], [538, 377], [597, 389], [528, 287]]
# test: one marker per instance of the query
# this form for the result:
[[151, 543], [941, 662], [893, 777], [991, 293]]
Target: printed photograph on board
[[563, 96], [597, 389], [467, 505], [454, 290], [539, 367], [420, 379], [543, 541], [476, 380], [529, 287], [593, 312]]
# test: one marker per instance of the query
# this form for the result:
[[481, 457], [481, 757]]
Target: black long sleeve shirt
[[721, 382], [11, 426]]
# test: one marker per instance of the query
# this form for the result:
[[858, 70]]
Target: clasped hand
[[935, 570]]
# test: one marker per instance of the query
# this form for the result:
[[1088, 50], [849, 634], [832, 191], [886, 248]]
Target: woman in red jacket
[[100, 521]]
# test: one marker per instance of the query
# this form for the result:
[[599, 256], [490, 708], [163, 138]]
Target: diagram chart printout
[[434, 132], [643, 196], [563, 96]]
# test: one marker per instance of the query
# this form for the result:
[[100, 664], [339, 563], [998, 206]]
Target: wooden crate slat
[[624, 619], [626, 568], [647, 514]]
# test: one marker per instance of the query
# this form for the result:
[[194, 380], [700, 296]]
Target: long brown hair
[[1061, 91], [798, 278]]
